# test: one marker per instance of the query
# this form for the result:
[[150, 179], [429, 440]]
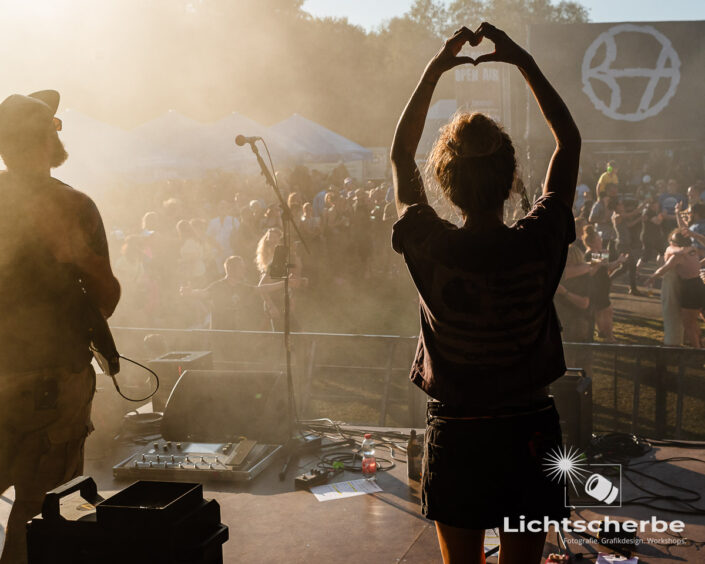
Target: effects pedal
[[315, 477]]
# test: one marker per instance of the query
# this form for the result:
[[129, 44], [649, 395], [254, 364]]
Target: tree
[[128, 61]]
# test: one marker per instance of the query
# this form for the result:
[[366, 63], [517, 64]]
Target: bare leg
[[603, 319], [25, 507], [521, 548], [691, 327], [461, 546]]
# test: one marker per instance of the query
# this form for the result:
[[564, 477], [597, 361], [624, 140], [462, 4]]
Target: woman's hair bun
[[478, 136]]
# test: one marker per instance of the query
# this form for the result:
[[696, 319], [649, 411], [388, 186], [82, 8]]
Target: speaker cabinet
[[572, 393], [218, 406]]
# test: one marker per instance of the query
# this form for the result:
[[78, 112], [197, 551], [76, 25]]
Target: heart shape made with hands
[[482, 47], [502, 49]]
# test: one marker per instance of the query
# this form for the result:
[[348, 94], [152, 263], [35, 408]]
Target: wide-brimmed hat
[[19, 113]]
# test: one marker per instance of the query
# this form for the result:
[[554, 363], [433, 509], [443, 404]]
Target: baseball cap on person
[[20, 113]]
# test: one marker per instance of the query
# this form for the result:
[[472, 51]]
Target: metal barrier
[[668, 382], [657, 391]]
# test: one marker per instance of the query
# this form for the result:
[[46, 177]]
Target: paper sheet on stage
[[340, 490], [491, 540]]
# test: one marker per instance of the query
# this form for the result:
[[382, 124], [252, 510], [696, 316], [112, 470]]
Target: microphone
[[240, 140]]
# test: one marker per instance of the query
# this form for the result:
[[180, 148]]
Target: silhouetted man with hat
[[51, 236]]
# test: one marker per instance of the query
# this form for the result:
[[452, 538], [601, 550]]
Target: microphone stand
[[296, 440]]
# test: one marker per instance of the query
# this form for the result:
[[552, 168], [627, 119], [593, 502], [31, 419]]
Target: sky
[[371, 13]]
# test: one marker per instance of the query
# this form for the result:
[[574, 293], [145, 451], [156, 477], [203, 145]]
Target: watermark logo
[[585, 484], [598, 69]]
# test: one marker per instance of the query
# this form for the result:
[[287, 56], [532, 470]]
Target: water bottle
[[413, 457], [369, 464]]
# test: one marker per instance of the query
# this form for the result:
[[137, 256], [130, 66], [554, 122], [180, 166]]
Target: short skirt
[[477, 472]]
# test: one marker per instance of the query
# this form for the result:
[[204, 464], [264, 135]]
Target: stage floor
[[271, 522]]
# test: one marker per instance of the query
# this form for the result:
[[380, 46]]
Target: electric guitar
[[102, 343]]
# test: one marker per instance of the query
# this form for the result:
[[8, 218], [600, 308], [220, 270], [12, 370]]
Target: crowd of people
[[202, 254], [212, 258], [637, 221]]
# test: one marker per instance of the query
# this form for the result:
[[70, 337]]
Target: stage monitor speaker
[[572, 393], [219, 406], [170, 366]]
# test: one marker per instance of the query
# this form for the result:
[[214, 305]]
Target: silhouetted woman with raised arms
[[490, 342]]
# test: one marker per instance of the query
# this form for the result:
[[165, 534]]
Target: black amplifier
[[169, 368], [148, 522], [572, 393]]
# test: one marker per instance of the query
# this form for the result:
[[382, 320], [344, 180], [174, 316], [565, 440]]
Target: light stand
[[295, 441]]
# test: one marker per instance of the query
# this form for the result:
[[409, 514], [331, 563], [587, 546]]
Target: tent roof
[[443, 109], [320, 143], [225, 130]]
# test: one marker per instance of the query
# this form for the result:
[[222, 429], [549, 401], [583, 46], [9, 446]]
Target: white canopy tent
[[319, 143]]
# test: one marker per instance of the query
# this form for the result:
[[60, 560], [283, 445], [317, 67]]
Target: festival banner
[[625, 81]]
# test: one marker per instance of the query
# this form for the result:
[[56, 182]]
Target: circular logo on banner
[[665, 67]]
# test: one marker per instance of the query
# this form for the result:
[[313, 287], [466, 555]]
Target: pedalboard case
[[148, 522], [236, 461]]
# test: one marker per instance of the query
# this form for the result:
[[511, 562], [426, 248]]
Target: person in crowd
[[360, 236], [54, 270], [136, 282], [220, 231], [191, 264], [252, 227], [334, 219], [319, 200], [271, 286], [601, 286], [272, 218], [608, 182], [582, 195], [572, 299], [265, 248], [234, 304], [311, 230], [310, 224], [696, 220], [580, 224], [682, 257], [693, 196], [601, 217], [295, 204], [650, 237], [156, 247], [623, 222], [210, 251], [335, 222], [490, 339], [668, 201]]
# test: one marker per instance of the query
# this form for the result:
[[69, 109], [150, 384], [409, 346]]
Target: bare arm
[[573, 270], [408, 185], [670, 264], [562, 175], [266, 286], [582, 302], [694, 235]]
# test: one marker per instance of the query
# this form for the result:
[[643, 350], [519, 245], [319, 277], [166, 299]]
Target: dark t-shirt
[[42, 308], [235, 306], [489, 331]]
